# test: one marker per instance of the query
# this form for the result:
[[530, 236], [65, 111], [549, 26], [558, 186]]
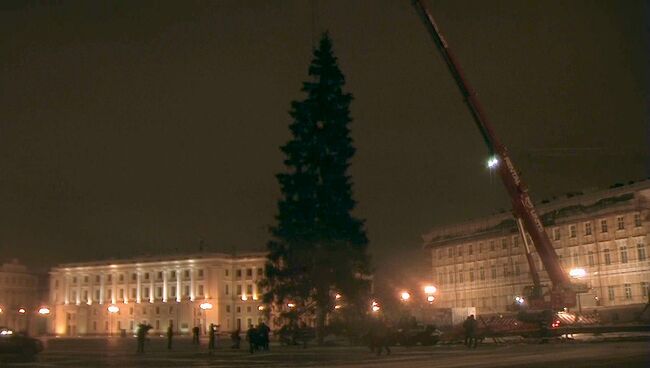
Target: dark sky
[[143, 126]]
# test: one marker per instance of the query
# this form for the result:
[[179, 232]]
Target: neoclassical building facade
[[482, 264], [19, 297], [106, 297]]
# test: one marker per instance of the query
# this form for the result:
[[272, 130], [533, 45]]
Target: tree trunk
[[320, 324]]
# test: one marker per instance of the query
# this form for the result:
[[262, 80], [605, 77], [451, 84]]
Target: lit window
[[572, 231], [628, 291], [623, 251], [640, 250]]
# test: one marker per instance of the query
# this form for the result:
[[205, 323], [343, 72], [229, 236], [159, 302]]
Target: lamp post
[[578, 273], [205, 306], [112, 309]]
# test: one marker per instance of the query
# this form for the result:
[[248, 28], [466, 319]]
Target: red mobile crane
[[562, 293]]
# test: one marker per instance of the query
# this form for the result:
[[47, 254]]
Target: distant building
[[18, 297], [192, 290], [481, 263]]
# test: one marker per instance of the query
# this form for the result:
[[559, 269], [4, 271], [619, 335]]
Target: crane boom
[[562, 294]]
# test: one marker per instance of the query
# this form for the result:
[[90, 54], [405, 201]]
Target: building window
[[461, 278], [159, 292], [637, 219], [491, 245], [249, 272], [628, 291], [460, 251], [238, 273], [146, 276], [517, 269], [173, 292], [640, 252], [481, 273], [96, 278], [260, 272], [160, 275], [603, 226], [610, 293], [172, 275], [480, 247], [504, 243], [439, 254], [620, 223], [248, 309], [200, 290], [576, 259], [644, 289], [85, 279], [587, 228], [471, 274], [227, 289], [608, 258], [134, 277], [451, 277], [200, 273], [590, 258], [121, 278], [556, 233], [623, 251], [227, 308], [97, 294], [515, 241], [249, 289], [450, 252], [238, 309], [572, 231], [187, 290], [146, 292], [74, 280], [238, 290], [493, 270], [134, 293], [470, 249], [227, 273], [505, 270]]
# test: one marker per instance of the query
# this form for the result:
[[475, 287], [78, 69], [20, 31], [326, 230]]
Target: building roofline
[[164, 258], [498, 222]]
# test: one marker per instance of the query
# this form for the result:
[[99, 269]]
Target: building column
[[192, 284], [152, 275], [179, 275], [101, 288], [66, 288], [78, 301], [164, 296], [138, 296]]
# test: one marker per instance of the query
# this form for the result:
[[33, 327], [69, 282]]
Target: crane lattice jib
[[523, 207]]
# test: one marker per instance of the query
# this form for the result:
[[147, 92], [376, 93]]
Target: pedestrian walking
[[170, 335], [263, 331], [211, 337], [251, 337], [141, 335], [195, 335], [470, 325], [235, 338], [379, 337]]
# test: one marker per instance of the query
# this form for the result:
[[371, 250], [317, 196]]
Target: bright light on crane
[[492, 162]]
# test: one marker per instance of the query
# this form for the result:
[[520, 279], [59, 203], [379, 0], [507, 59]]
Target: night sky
[[134, 127]]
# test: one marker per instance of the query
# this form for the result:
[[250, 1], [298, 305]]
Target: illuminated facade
[[482, 263], [188, 291], [18, 297]]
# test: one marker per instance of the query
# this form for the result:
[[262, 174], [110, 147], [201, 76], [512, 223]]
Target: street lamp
[[405, 296], [43, 311], [430, 289], [112, 309], [578, 273], [21, 310]]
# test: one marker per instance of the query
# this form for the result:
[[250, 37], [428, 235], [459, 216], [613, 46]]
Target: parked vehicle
[[12, 342]]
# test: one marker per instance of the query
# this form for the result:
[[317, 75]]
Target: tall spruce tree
[[318, 248]]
